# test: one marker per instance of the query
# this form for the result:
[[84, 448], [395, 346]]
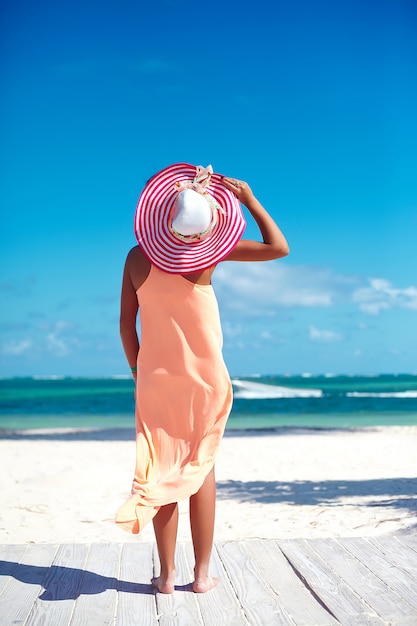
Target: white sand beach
[[292, 483]]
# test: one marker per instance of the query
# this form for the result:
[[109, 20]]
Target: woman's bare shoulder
[[135, 254], [138, 266]]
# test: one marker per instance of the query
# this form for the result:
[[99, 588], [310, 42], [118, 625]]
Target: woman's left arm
[[273, 245], [128, 315]]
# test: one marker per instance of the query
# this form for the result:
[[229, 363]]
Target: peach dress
[[183, 394]]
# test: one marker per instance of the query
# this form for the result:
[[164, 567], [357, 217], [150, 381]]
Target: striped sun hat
[[162, 219]]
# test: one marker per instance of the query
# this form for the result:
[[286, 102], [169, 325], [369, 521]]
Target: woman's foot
[[163, 584], [205, 583]]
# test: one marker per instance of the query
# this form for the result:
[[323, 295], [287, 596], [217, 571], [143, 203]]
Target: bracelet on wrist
[[134, 369]]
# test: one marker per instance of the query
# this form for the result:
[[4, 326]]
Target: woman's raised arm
[[274, 244]]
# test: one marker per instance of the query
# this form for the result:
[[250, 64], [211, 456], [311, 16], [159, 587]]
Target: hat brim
[[152, 227]]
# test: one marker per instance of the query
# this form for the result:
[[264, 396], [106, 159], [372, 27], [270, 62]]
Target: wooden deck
[[353, 581]]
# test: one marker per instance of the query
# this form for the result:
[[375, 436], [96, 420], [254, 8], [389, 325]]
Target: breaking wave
[[254, 391], [382, 394]]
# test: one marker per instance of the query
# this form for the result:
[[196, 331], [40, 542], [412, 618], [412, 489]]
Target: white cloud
[[260, 288], [55, 340], [63, 325], [60, 342], [57, 326], [323, 336], [381, 295], [56, 345], [231, 330], [252, 290], [17, 347]]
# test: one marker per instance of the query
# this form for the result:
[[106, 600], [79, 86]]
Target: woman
[[187, 220]]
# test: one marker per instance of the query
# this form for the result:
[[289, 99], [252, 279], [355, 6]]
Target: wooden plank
[[345, 604], [10, 557], [259, 602], [397, 552], [62, 586], [398, 581], [179, 608], [220, 605], [25, 583], [13, 551], [295, 598], [374, 592], [136, 596], [98, 591], [102, 583], [409, 540]]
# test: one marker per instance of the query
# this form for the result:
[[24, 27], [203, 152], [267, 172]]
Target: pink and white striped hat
[[186, 220]]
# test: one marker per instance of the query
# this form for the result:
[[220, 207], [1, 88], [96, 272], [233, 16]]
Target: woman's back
[[180, 325]]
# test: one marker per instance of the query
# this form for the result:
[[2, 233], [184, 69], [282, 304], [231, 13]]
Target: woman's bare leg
[[202, 514], [165, 525]]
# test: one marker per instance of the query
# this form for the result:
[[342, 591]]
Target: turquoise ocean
[[260, 402]]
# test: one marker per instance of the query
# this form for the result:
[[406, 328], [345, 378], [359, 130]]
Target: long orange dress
[[183, 394]]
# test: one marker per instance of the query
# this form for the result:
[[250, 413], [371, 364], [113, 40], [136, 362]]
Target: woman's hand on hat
[[239, 188]]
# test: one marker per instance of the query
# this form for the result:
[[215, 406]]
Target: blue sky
[[313, 103]]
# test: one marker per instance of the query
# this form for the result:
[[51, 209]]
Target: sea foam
[[251, 391], [382, 394]]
